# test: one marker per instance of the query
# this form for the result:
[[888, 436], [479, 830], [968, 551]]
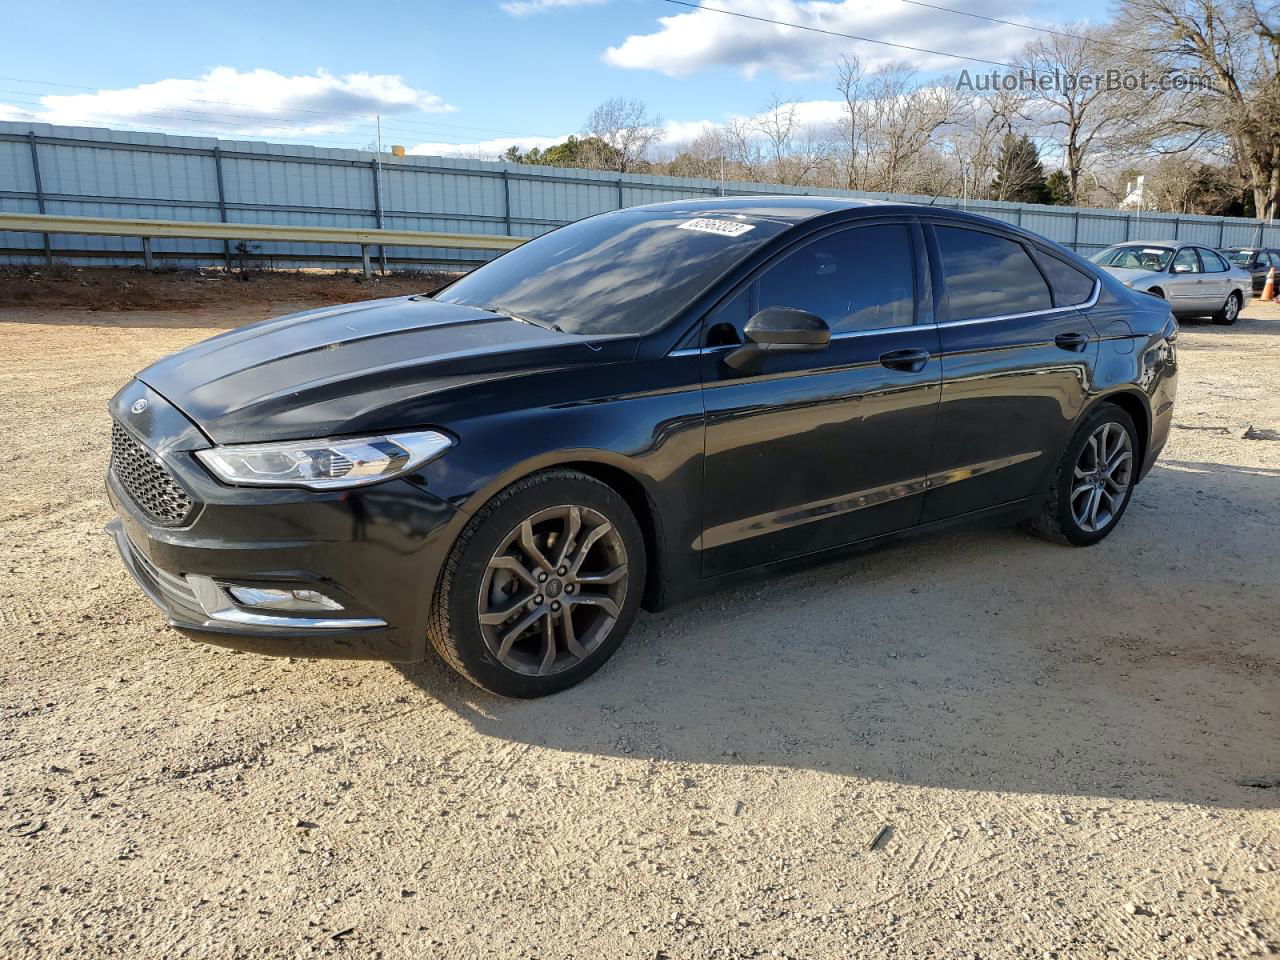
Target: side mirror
[[778, 330], [1182, 268]]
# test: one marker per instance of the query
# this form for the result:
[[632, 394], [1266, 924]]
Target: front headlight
[[324, 464]]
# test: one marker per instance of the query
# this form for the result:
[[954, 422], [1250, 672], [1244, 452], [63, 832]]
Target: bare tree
[[1080, 116], [1235, 43], [795, 150], [901, 118], [849, 76], [623, 131]]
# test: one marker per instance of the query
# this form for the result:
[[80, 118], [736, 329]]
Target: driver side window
[[858, 279], [1186, 261]]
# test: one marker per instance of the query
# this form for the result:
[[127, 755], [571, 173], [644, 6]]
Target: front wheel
[[1230, 311], [541, 587], [1094, 481]]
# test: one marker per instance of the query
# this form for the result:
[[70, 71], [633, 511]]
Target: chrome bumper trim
[[218, 605]]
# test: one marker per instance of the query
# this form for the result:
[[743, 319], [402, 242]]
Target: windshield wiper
[[494, 308]]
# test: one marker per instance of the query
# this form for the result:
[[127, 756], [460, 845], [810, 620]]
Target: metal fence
[[84, 171]]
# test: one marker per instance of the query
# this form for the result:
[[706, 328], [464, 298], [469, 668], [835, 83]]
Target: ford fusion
[[621, 413]]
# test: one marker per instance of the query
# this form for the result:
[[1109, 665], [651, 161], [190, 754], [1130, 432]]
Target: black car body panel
[[1259, 261], [378, 365], [725, 470]]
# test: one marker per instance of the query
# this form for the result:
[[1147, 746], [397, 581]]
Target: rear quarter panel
[[1137, 357]]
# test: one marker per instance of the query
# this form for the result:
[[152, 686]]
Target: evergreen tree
[[1019, 173], [1059, 187]]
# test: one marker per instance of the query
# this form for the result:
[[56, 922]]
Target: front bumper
[[377, 550]]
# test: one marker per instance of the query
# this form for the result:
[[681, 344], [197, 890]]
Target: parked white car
[[1197, 281]]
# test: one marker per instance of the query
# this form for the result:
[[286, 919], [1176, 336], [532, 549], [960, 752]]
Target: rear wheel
[[1094, 481], [1230, 311], [541, 587]]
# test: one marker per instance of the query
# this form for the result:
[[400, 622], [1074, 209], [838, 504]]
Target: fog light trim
[[265, 598]]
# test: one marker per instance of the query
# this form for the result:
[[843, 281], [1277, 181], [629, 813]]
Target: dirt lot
[[1051, 745]]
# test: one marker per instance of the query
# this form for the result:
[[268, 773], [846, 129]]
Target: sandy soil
[[980, 745]]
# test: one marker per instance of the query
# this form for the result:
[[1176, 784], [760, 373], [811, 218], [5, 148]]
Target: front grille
[[146, 480]]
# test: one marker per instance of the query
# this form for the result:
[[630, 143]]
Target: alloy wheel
[[553, 590], [1102, 477], [1231, 309]]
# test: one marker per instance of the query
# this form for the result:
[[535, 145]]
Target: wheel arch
[[629, 487], [611, 470], [1136, 405]]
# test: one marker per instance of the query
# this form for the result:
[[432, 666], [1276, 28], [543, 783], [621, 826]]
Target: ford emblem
[[139, 405]]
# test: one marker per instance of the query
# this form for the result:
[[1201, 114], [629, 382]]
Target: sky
[[469, 77]]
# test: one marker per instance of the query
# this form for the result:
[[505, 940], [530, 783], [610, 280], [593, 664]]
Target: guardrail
[[147, 230]]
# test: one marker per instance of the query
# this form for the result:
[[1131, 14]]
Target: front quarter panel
[[643, 418]]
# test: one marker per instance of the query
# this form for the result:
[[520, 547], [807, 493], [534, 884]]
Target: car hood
[[1129, 276], [376, 365]]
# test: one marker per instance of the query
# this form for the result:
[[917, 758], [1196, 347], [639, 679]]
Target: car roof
[[1172, 244], [786, 208], [793, 209]]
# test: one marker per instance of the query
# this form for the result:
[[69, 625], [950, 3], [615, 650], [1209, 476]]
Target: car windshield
[[1155, 259], [627, 272], [1239, 256]]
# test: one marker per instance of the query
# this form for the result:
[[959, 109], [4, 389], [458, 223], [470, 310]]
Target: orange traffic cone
[[1269, 288]]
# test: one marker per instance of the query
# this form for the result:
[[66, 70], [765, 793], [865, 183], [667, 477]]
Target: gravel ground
[[979, 745]]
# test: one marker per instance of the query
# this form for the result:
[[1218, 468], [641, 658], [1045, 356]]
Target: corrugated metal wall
[[109, 173]]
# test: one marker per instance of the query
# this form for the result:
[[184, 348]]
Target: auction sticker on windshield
[[726, 228]]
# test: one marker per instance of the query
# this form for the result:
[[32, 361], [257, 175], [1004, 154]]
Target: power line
[[1012, 23], [846, 36]]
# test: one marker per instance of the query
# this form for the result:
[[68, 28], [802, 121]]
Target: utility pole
[[382, 251]]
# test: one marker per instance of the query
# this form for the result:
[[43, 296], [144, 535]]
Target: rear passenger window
[[858, 279], [989, 276], [1071, 285], [1212, 262]]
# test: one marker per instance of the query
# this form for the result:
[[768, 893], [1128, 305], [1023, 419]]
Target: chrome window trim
[[1082, 305]]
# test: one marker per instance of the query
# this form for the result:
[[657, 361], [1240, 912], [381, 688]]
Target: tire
[[1230, 311], [1059, 519], [490, 572]]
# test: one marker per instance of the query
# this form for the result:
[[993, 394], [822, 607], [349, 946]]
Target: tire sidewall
[[478, 549], [1222, 317], [1103, 413]]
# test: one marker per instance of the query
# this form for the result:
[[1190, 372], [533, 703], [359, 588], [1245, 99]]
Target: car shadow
[[1143, 667]]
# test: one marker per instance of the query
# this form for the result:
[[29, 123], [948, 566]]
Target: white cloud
[[484, 149], [10, 112], [226, 101], [684, 131], [686, 43], [811, 116], [524, 8]]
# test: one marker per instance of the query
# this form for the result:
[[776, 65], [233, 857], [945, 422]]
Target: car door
[[817, 449], [1215, 280], [1184, 288], [1016, 366]]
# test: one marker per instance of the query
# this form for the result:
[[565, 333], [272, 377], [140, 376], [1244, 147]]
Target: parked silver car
[[1196, 281]]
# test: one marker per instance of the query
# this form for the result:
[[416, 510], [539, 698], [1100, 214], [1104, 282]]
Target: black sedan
[[1259, 262], [621, 413]]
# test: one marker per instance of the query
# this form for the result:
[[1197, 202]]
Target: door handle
[[1071, 341], [910, 361]]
